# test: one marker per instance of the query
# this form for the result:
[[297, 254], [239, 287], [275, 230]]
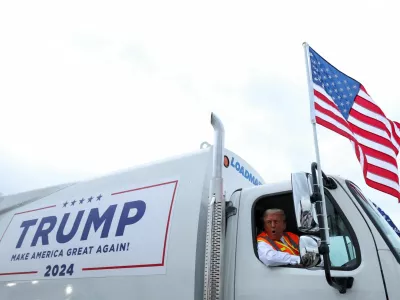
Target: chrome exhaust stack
[[215, 219]]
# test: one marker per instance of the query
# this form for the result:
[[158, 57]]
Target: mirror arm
[[329, 183], [340, 284]]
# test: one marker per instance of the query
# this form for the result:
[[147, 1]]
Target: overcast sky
[[90, 87]]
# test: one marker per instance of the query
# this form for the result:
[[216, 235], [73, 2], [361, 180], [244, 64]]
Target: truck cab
[[364, 251]]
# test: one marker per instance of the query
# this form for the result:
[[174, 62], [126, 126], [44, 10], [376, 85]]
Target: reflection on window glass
[[341, 248], [389, 235]]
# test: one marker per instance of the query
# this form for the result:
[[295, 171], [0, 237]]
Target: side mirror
[[304, 209], [308, 246]]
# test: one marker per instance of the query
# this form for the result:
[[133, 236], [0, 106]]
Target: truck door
[[352, 251]]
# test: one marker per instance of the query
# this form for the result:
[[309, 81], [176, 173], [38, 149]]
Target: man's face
[[274, 225]]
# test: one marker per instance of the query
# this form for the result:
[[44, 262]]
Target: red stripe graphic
[[18, 273]]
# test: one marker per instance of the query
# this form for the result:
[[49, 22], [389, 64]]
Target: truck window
[[342, 249], [388, 234]]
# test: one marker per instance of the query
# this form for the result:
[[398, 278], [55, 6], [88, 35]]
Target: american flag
[[343, 105]]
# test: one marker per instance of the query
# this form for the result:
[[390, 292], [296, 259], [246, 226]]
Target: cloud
[[89, 88]]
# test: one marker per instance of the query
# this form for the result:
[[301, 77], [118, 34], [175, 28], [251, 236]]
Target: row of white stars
[[318, 78]]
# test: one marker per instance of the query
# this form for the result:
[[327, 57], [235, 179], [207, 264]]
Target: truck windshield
[[389, 235]]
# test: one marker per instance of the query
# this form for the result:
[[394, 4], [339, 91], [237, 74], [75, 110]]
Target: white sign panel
[[111, 234]]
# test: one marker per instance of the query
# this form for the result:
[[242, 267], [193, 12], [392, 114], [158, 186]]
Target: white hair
[[275, 211]]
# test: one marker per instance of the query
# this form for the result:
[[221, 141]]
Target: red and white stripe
[[375, 138]]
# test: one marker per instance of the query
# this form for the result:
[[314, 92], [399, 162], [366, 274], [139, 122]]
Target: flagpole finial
[[304, 44]]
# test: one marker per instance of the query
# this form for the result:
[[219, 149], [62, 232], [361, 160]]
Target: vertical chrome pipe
[[213, 277]]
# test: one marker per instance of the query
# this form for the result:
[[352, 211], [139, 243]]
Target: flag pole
[[314, 126]]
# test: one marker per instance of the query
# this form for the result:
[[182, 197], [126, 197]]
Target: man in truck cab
[[275, 246]]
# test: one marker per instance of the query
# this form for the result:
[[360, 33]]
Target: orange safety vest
[[291, 239]]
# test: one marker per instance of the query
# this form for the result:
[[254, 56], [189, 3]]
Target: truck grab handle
[[339, 283]]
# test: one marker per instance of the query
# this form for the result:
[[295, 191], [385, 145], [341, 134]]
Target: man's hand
[[310, 260]]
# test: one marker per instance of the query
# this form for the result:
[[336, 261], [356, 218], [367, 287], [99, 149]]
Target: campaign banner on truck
[[117, 233]]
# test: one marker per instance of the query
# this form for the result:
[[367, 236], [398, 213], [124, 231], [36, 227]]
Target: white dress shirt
[[271, 257]]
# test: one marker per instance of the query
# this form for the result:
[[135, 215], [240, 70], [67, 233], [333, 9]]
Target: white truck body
[[142, 234], [164, 248]]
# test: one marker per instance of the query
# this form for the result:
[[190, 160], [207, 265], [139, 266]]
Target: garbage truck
[[185, 228]]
